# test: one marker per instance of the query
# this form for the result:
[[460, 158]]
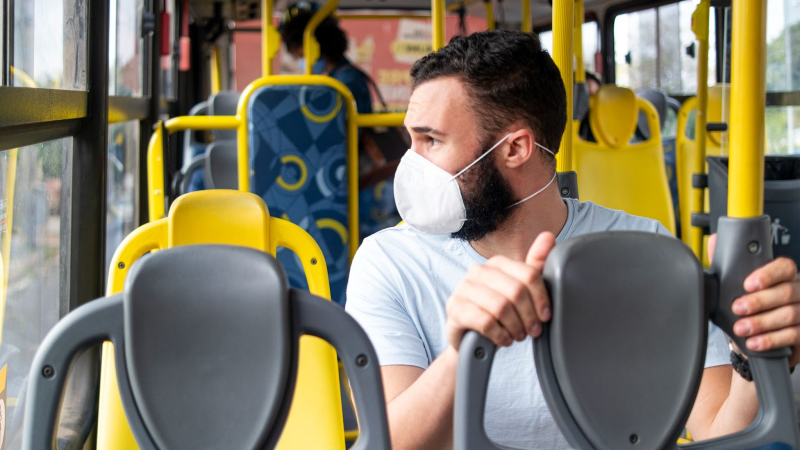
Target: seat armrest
[[318, 317], [89, 325]]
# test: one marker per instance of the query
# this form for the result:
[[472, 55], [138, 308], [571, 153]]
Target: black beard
[[487, 197]]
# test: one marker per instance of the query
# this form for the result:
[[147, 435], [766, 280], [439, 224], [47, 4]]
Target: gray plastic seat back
[[221, 169], [192, 344], [206, 341], [634, 317], [224, 104], [621, 360], [660, 101]]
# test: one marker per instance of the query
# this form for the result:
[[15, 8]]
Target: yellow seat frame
[[618, 174], [235, 218]]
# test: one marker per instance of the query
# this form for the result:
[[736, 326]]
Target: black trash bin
[[781, 200]]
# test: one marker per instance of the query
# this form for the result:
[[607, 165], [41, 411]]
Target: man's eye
[[435, 141]]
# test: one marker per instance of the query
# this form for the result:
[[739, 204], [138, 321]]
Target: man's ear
[[521, 148]]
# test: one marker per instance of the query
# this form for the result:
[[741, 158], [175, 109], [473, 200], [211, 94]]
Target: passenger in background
[[333, 45], [593, 82]]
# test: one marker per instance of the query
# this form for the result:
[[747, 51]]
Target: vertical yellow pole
[[563, 13], [266, 36], [580, 71], [5, 238], [310, 44], [216, 71], [437, 17], [700, 27], [748, 102], [527, 25], [490, 25]]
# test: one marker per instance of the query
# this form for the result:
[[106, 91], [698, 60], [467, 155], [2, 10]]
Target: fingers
[[767, 299], [498, 305], [463, 315], [530, 279], [777, 271], [515, 293], [541, 247], [785, 316]]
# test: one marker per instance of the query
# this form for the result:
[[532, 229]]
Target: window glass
[[31, 242], [125, 48], [169, 71], [123, 146], [49, 44], [783, 130], [591, 45], [650, 49], [783, 74]]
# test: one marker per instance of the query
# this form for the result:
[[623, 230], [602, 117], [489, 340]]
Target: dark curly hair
[[332, 39], [508, 76]]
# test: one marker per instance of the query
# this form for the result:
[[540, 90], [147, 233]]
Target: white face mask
[[429, 199]]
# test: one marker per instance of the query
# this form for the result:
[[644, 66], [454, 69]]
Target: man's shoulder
[[401, 239], [590, 217]]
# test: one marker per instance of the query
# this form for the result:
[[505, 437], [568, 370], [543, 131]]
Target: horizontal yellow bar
[[380, 120], [182, 123]]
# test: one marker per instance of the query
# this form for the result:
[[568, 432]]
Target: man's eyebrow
[[427, 130]]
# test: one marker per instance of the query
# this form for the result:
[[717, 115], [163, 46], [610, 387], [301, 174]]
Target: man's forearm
[[422, 416], [736, 413]]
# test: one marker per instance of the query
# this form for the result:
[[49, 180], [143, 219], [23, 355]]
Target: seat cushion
[[298, 163]]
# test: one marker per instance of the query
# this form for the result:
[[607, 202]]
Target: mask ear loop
[[555, 174], [480, 157]]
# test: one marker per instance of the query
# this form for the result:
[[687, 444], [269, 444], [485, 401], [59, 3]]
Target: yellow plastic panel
[[614, 116], [629, 177], [219, 217], [236, 218], [686, 151]]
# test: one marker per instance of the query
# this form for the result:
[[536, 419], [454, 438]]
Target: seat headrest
[[219, 216], [660, 101], [224, 104], [626, 344], [613, 114], [209, 367], [222, 165]]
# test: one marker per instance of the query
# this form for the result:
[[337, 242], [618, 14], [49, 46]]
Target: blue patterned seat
[[298, 163]]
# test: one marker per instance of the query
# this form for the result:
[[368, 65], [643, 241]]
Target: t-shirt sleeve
[[375, 298]]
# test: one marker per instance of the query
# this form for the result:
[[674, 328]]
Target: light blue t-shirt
[[399, 284]]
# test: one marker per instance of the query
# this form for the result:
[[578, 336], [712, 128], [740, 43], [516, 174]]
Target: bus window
[[650, 49], [591, 44], [123, 145], [34, 236], [783, 77], [169, 63], [41, 57], [125, 48]]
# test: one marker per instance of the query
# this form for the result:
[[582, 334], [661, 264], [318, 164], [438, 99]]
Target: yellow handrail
[[527, 24], [563, 13], [577, 43], [310, 44], [272, 39], [487, 4], [437, 19], [5, 237], [380, 120], [748, 104], [700, 28], [216, 71]]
